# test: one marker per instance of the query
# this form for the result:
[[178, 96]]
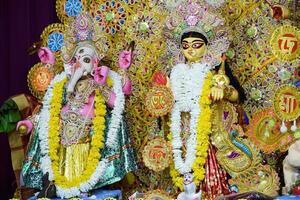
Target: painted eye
[[86, 60], [197, 45], [81, 51], [185, 46], [73, 60]]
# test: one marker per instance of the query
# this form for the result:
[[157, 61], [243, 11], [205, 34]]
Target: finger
[[215, 94], [222, 95], [218, 95]]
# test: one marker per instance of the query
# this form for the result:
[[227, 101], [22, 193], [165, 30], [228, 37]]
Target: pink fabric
[[26, 123], [112, 99], [127, 86], [46, 56], [87, 110], [125, 59], [100, 74]]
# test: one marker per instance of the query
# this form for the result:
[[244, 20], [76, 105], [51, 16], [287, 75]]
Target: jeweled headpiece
[[198, 16], [84, 32]]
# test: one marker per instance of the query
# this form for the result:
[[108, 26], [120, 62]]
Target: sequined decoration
[[55, 41], [73, 7], [110, 15]]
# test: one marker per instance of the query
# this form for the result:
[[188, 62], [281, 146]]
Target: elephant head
[[83, 62]]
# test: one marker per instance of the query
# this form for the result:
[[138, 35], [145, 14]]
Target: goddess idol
[[79, 138], [199, 79]]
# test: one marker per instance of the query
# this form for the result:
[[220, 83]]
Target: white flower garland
[[116, 114], [186, 84], [43, 129]]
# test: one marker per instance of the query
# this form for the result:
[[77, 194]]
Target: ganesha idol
[[79, 138]]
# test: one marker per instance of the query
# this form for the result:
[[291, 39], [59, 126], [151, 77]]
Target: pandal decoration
[[262, 179], [39, 78], [66, 9], [285, 42], [159, 100], [264, 132], [157, 154], [287, 106]]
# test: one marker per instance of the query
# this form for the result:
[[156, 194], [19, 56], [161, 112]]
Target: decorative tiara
[[83, 31], [198, 16]]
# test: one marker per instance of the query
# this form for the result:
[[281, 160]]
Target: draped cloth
[[121, 159]]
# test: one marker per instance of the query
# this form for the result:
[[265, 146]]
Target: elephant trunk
[[74, 79]]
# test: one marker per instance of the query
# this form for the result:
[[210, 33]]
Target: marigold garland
[[97, 142], [203, 132]]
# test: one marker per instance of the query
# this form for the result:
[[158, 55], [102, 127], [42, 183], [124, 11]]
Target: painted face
[[193, 49], [84, 58]]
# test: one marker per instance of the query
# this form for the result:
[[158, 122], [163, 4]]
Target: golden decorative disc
[[39, 78], [265, 133], [287, 103], [159, 101], [157, 195], [157, 154], [285, 43]]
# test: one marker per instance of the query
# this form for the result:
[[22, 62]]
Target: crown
[[83, 31], [198, 16]]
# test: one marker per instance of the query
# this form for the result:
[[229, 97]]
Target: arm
[[226, 85], [125, 60]]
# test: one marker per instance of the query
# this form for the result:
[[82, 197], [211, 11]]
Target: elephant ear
[[46, 55]]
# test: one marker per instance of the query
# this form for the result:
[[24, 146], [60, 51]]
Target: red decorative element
[[159, 78], [288, 42], [296, 190], [277, 12], [215, 182]]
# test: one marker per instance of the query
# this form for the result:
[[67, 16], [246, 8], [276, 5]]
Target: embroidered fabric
[[75, 128]]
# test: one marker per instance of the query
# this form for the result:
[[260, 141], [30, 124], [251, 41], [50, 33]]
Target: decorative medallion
[[159, 100], [145, 25], [287, 103], [53, 37], [157, 195], [265, 133], [39, 78], [285, 42], [67, 9], [110, 15], [157, 154]]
